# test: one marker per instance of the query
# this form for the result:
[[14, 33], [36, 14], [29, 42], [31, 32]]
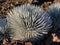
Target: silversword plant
[[55, 15], [28, 22]]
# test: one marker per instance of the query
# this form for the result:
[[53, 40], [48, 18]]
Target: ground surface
[[6, 5]]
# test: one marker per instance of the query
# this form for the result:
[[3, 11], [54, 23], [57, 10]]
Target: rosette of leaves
[[28, 22], [54, 12], [3, 32], [2, 27]]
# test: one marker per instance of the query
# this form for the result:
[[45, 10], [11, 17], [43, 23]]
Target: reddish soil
[[6, 5]]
